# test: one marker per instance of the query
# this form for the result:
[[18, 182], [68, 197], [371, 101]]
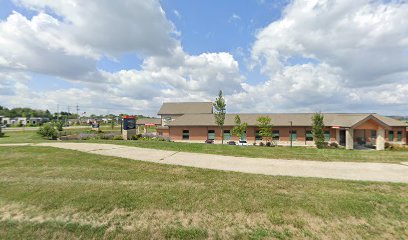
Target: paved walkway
[[336, 170]]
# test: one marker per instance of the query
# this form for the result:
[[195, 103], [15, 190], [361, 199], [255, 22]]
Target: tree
[[265, 128], [219, 113], [318, 130], [240, 128], [48, 131]]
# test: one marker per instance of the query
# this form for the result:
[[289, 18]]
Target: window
[[258, 135], [373, 134], [390, 135], [211, 135], [293, 135], [243, 136], [309, 136], [275, 135], [186, 134], [399, 136], [227, 135], [326, 136]]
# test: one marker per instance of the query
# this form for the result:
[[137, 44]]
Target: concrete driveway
[[298, 168]]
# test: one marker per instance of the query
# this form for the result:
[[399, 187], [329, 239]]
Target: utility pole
[[291, 133], [77, 112]]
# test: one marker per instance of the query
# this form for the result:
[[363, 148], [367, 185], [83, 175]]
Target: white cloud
[[177, 13], [325, 54], [234, 17], [321, 55]]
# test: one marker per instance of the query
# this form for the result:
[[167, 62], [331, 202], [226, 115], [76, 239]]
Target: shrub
[[118, 137], [388, 145], [334, 145], [254, 143], [1, 134], [268, 144], [261, 144], [48, 131], [136, 137]]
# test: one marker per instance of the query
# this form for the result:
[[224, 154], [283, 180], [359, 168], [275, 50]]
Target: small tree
[[265, 128], [240, 128], [219, 113], [48, 131], [318, 130]]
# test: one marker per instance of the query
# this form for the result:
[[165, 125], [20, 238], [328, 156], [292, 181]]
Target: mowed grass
[[48, 193], [301, 153]]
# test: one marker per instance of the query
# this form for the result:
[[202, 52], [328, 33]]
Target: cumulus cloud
[[321, 55], [324, 52]]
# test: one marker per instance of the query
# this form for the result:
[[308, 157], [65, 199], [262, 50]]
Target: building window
[[309, 135], [326, 136], [186, 134], [243, 136], [258, 135], [390, 135], [293, 135], [373, 134], [227, 134], [211, 135], [399, 136], [275, 135]]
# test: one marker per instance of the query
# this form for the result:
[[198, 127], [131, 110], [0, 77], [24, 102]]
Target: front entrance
[[342, 141]]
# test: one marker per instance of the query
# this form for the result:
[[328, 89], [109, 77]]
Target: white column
[[349, 138], [380, 142], [338, 136]]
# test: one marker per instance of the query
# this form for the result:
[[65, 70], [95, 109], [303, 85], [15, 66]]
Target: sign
[[129, 122], [150, 124]]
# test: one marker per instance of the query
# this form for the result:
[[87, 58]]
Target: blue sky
[[267, 56]]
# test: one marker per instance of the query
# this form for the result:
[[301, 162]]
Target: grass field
[[48, 193], [250, 151], [273, 152]]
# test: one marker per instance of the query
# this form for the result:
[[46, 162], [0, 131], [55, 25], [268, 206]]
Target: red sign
[[150, 124]]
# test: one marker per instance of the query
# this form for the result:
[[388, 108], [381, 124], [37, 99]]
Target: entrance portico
[[369, 132]]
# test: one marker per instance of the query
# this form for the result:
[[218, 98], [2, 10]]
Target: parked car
[[243, 143], [209, 141], [4, 126], [231, 143]]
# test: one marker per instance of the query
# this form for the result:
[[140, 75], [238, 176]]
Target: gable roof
[[143, 121], [284, 119], [186, 108]]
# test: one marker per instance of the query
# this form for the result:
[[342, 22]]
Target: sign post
[[129, 127]]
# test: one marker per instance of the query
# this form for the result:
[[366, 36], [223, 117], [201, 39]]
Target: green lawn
[[48, 193], [273, 152], [250, 151]]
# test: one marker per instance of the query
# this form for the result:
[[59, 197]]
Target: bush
[[118, 137], [268, 144], [254, 143], [334, 145], [136, 137], [388, 145], [261, 144], [48, 131]]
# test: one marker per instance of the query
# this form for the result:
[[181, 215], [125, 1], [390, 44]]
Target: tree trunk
[[222, 135]]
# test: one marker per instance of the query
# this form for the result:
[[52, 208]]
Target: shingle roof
[[186, 108], [284, 119], [143, 121]]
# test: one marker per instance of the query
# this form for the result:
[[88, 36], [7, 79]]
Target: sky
[[266, 56]]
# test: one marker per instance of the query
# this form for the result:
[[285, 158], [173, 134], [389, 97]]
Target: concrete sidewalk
[[298, 168]]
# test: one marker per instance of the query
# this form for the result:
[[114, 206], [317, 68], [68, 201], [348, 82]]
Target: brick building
[[194, 122]]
